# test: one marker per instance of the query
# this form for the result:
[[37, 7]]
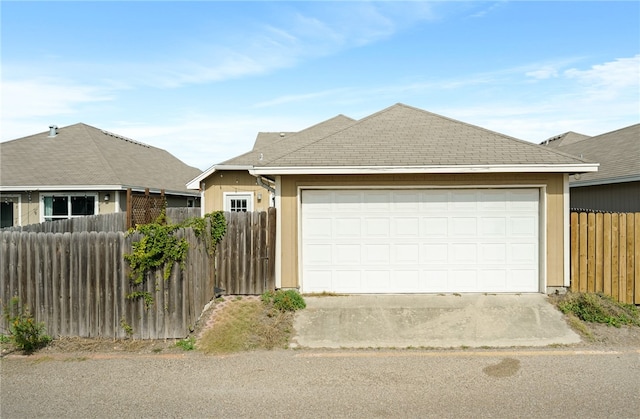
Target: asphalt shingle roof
[[402, 136], [618, 153], [81, 155], [271, 147]]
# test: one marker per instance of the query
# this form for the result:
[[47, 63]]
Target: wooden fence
[[605, 254], [77, 282], [103, 222], [245, 259]]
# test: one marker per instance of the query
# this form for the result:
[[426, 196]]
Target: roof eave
[[345, 170], [55, 188], [594, 182]]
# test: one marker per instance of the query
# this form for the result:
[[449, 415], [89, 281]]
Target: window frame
[[228, 196], [69, 196]]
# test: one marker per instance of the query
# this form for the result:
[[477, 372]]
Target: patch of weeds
[[25, 333], [157, 350], [457, 295], [284, 300], [5, 339], [188, 344], [238, 298], [599, 308], [128, 330]]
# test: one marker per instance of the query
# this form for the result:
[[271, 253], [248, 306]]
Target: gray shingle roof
[[277, 146], [81, 155], [618, 153], [402, 136]]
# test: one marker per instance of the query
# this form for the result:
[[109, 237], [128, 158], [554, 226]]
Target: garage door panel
[[435, 227], [494, 279], [378, 280], [404, 241], [523, 226], [408, 253], [347, 254], [405, 226], [318, 254], [434, 253], [463, 280], [463, 226], [318, 227], [406, 280], [376, 254], [348, 227], [348, 280], [492, 226], [377, 227], [464, 253]]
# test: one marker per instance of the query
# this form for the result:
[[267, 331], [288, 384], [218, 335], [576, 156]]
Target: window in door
[[238, 202]]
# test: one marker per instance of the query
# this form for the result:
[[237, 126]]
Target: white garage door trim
[[419, 273]]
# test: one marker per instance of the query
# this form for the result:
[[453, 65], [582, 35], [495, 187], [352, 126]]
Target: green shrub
[[599, 308], [284, 300], [187, 344], [24, 332]]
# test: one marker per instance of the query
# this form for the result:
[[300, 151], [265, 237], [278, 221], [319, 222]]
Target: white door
[[420, 241]]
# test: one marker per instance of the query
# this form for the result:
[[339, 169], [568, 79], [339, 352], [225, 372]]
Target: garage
[[420, 240]]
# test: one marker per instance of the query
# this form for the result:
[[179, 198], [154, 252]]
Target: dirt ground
[[601, 336]]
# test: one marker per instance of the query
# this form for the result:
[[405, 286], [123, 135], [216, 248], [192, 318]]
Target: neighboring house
[[80, 170], [615, 187], [407, 201]]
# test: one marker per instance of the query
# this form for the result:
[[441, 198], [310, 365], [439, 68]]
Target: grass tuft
[[599, 308]]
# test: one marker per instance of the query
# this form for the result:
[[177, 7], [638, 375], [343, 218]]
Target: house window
[[61, 207], [238, 202]]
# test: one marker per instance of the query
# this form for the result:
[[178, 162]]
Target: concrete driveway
[[432, 321]]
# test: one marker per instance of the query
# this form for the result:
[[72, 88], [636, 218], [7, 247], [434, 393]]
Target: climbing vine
[[160, 248]]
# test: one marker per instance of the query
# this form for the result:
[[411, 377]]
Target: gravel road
[[303, 383]]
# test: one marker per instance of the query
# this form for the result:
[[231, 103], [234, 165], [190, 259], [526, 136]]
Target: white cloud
[[543, 73], [609, 80], [47, 96]]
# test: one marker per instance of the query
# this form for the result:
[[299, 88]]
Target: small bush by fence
[[605, 254]]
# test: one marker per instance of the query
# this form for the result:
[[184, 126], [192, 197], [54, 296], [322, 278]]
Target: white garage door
[[420, 241]]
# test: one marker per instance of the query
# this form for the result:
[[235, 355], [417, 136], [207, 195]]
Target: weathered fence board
[[76, 283], [245, 258], [605, 255]]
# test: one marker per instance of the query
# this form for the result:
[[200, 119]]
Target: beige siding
[[553, 184], [233, 181]]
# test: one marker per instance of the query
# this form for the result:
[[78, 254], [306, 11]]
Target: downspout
[[261, 182]]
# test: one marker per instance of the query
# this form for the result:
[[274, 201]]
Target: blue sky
[[200, 79]]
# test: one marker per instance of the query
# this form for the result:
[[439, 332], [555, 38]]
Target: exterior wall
[[233, 181], [615, 197], [27, 205], [552, 234]]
